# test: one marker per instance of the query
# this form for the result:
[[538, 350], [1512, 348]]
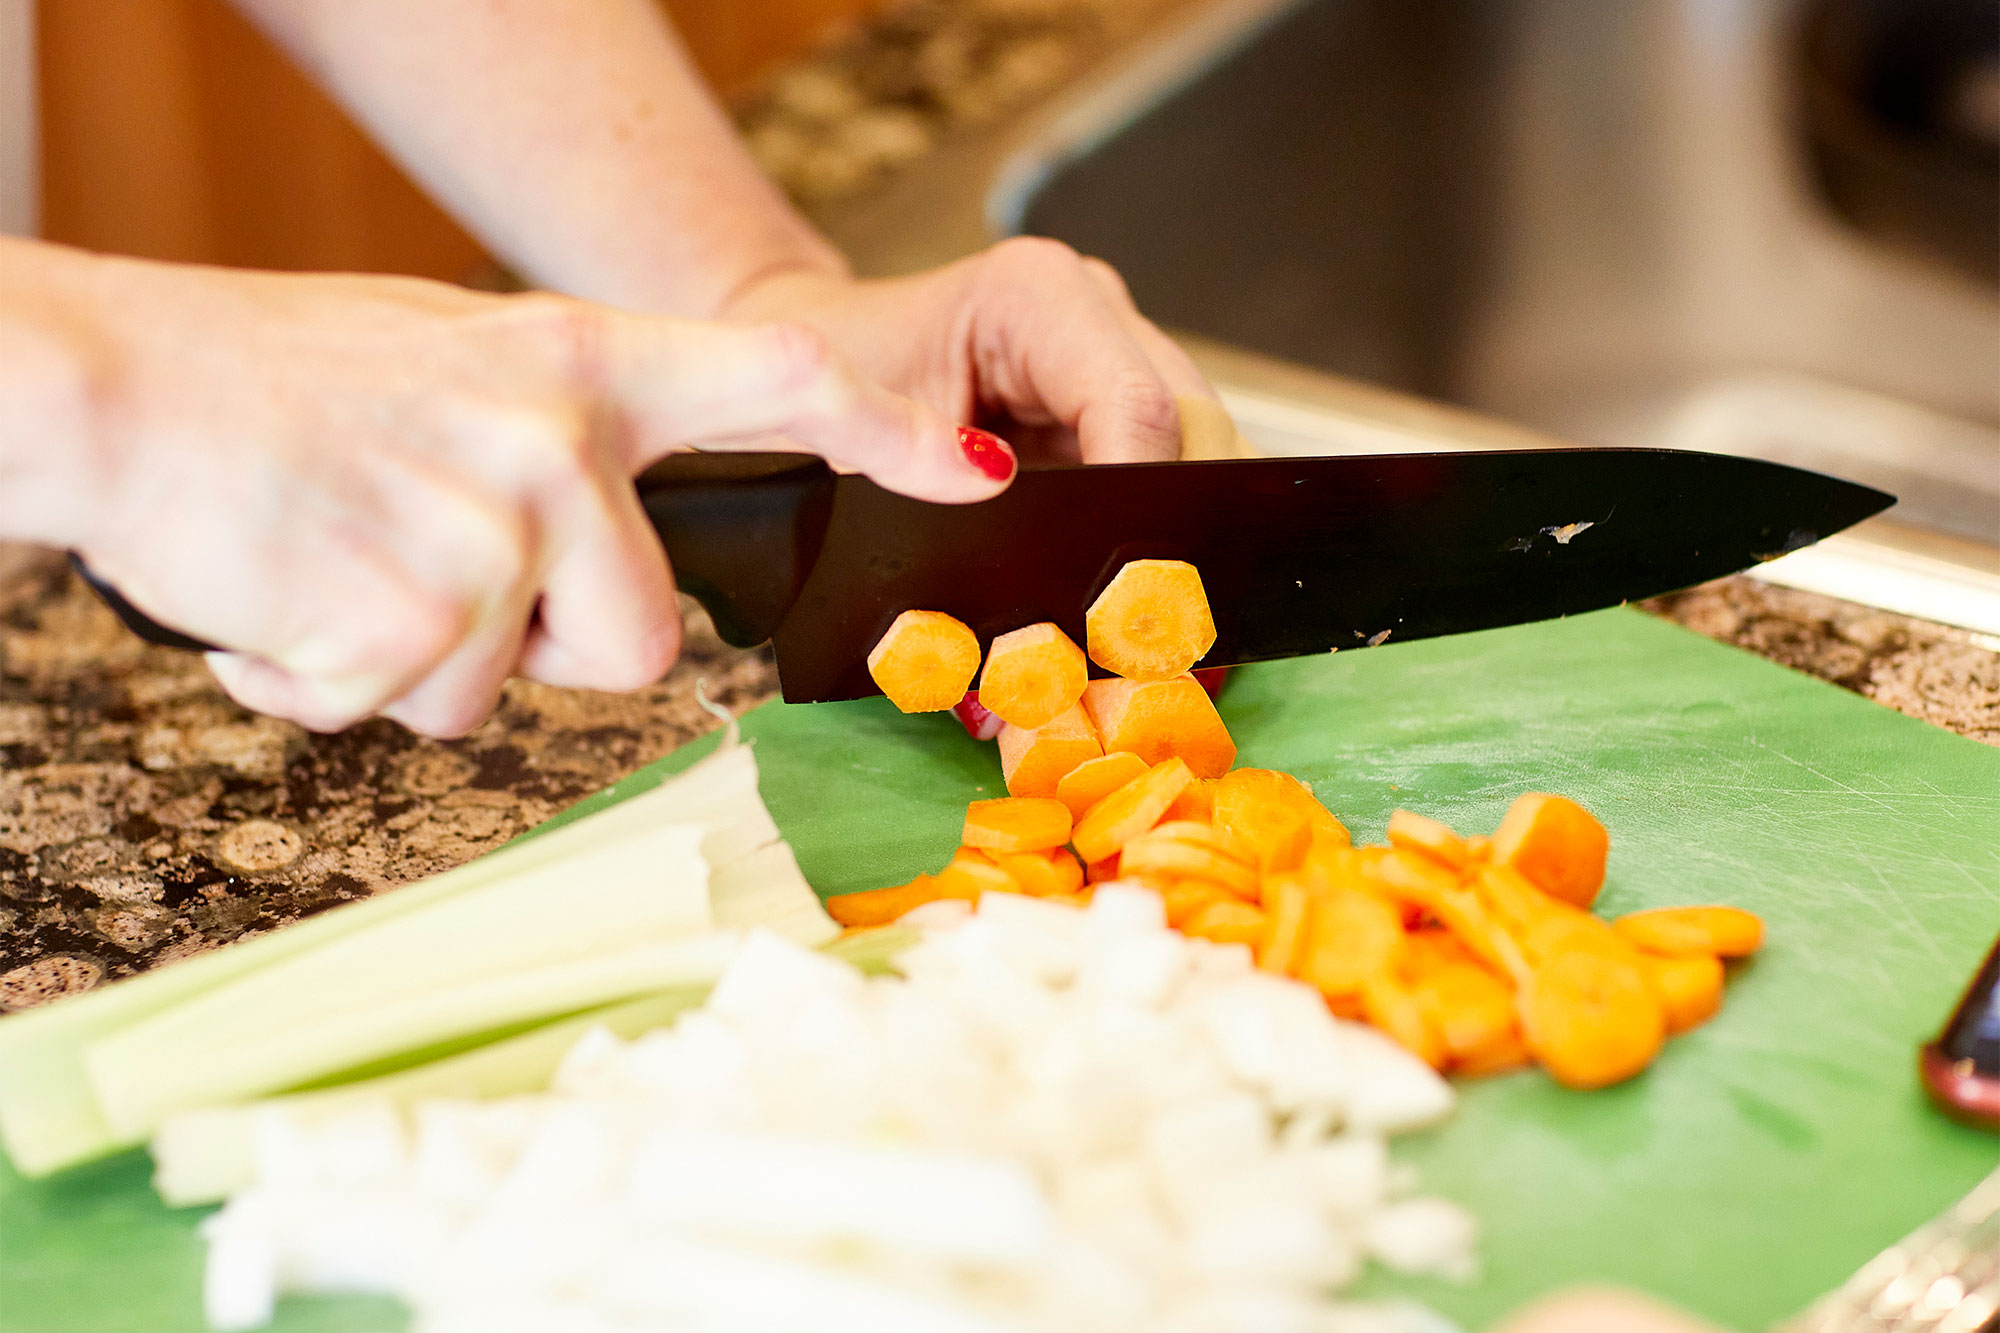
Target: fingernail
[[987, 452]]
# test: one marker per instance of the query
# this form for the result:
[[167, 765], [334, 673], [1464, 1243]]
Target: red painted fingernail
[[987, 452]]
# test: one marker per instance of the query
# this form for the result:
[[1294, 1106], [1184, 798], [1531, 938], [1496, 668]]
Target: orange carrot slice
[[1727, 932], [1591, 1019], [1151, 622], [1152, 856], [1068, 870], [1227, 920], [1017, 824], [1182, 898], [1035, 873], [1556, 843], [1513, 897], [1276, 830], [1188, 830], [1412, 832], [1256, 785], [1397, 1010], [1094, 779], [1101, 869], [1467, 1006], [1161, 719], [925, 662], [1196, 804], [1032, 675], [879, 907], [969, 876], [1353, 936], [1288, 901], [1129, 811], [1504, 1054], [1033, 762], [1689, 987]]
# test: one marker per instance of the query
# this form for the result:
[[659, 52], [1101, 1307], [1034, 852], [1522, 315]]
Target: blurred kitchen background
[[1758, 226]]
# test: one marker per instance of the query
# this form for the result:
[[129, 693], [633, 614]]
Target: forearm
[[576, 140], [46, 444]]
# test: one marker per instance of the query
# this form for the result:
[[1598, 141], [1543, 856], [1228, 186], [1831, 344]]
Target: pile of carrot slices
[[1479, 954]]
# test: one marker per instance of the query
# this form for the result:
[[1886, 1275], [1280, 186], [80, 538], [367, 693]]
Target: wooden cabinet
[[173, 129]]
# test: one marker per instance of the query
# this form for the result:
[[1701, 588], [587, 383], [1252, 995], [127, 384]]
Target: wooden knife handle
[[741, 530]]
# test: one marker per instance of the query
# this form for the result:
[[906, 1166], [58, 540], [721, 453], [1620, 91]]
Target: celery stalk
[[203, 1156]]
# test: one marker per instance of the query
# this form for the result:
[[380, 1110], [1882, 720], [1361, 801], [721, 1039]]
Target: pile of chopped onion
[[1054, 1119]]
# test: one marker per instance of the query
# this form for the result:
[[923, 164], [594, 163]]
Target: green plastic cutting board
[[1763, 1158]]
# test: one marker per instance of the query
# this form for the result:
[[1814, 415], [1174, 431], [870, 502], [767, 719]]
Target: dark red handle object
[[1961, 1069]]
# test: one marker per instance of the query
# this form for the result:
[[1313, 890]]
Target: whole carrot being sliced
[[1129, 811], [1590, 1019], [1227, 921], [1727, 932], [925, 662], [1032, 675], [1428, 837], [1269, 785], [879, 907], [1151, 622], [1354, 935], [1161, 719], [1556, 843], [1034, 761], [1149, 855], [1288, 903], [1017, 824], [1689, 987], [1094, 779]]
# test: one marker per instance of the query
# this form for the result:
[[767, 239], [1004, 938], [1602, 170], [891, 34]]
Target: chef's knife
[[1298, 555]]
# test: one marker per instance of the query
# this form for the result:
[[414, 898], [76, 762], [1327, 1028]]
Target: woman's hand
[[387, 495], [1028, 336]]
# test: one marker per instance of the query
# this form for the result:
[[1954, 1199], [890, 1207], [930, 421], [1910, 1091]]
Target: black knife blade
[[1298, 555]]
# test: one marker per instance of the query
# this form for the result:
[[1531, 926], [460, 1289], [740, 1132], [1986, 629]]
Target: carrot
[[1423, 882], [1161, 719], [1227, 921], [1276, 830], [1182, 898], [1151, 622], [971, 873], [1195, 804], [925, 662], [1017, 824], [1033, 762], [1129, 811], [1288, 901], [1354, 935], [1590, 1019], [1689, 987], [1094, 779], [1397, 1010], [1728, 932], [1568, 930], [1153, 855], [1431, 948], [1427, 837], [1036, 873], [1068, 870], [1505, 1053], [1513, 897], [1467, 1006], [1102, 869], [1208, 835], [1032, 675], [1556, 843], [879, 907], [1269, 785]]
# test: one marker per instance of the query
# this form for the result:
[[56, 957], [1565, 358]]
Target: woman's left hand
[[1030, 338]]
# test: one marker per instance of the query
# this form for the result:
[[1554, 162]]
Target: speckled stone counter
[[144, 817]]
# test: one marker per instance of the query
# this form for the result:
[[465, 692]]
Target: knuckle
[[1038, 258], [1142, 398], [572, 335], [1108, 278], [799, 355]]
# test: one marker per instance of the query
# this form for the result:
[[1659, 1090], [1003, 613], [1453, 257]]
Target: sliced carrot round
[[1160, 719], [1129, 811], [1288, 901], [1017, 824], [925, 662], [1151, 854], [1727, 932], [1556, 843], [1689, 987], [1399, 1011], [1270, 785], [1276, 831], [1032, 675], [1354, 936], [1227, 921], [1034, 762], [1590, 1019], [1196, 804], [1094, 779], [1182, 898], [1468, 1007], [1151, 622], [879, 907], [1413, 832]]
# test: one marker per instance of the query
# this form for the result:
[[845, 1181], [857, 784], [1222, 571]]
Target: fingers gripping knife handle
[[741, 530]]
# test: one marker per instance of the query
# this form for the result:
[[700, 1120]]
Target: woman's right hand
[[385, 495]]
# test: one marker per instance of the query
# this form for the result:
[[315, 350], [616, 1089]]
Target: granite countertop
[[144, 817]]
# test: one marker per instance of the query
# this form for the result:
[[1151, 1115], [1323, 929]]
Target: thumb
[[683, 385]]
